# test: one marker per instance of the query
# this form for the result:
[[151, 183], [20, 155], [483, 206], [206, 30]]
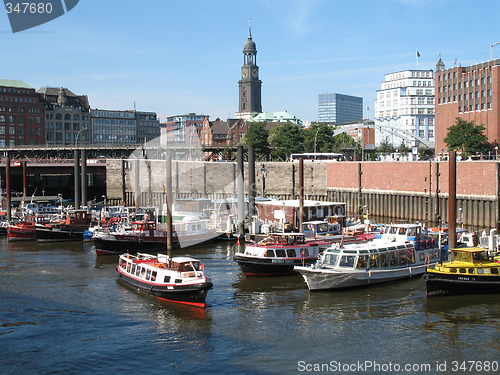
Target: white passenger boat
[[277, 255], [397, 255], [177, 279]]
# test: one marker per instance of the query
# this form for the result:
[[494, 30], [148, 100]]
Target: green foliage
[[286, 139], [404, 149], [258, 137], [341, 141], [318, 138], [385, 147], [467, 138]]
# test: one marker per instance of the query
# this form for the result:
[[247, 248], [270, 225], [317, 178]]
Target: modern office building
[[113, 127], [471, 93], [21, 114], [184, 129], [339, 108], [148, 126], [67, 116], [405, 108]]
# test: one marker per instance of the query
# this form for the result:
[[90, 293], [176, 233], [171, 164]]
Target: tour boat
[[470, 270], [149, 235], [369, 263], [72, 227], [177, 279], [396, 254], [277, 255]]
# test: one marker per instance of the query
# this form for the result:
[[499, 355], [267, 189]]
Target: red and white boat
[[177, 279], [277, 255]]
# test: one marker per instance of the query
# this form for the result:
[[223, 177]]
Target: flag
[[455, 63], [201, 267], [418, 54]]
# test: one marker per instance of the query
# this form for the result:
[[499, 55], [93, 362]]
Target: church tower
[[249, 84]]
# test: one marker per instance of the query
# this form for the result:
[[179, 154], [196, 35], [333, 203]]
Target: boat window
[[290, 253], [410, 253], [362, 261], [178, 281], [374, 260], [143, 272], [306, 253], [453, 270], [148, 274], [323, 227], [412, 232], [401, 247], [403, 259], [138, 271], [347, 261], [166, 279], [384, 260], [393, 230], [463, 270], [393, 261], [128, 266], [280, 253], [153, 276], [494, 271], [270, 253], [471, 270], [480, 257], [330, 259], [402, 231], [480, 271]]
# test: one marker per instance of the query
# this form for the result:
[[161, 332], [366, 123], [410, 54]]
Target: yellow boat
[[471, 270]]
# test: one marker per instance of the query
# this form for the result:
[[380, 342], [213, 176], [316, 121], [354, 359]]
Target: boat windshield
[[330, 259]]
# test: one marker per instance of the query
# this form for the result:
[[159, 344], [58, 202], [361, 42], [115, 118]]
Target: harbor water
[[63, 311]]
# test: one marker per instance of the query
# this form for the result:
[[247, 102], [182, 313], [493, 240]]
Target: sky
[[176, 57]]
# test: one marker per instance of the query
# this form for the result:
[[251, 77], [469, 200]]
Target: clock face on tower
[[244, 73], [255, 73]]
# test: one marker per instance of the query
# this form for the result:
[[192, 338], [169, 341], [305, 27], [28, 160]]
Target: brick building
[[471, 93], [21, 114]]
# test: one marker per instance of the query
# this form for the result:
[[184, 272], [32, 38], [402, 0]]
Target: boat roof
[[470, 249], [184, 259], [371, 245]]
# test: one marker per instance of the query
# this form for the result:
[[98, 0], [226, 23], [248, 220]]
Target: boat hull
[[329, 279], [269, 267], [453, 284], [16, 233], [57, 234], [190, 294], [116, 246]]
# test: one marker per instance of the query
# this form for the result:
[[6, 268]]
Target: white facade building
[[405, 102]]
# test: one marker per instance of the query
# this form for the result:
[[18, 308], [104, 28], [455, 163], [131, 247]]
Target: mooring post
[[84, 178], [7, 187], [301, 193], [168, 202], [241, 193], [77, 177], [452, 200]]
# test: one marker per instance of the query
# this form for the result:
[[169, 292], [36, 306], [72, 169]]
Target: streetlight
[[491, 49], [315, 137]]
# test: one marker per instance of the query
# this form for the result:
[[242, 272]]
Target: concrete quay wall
[[395, 190]]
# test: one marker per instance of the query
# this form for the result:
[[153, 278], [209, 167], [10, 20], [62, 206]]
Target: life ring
[[422, 245], [427, 244], [433, 242]]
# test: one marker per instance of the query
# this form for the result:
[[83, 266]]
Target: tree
[[385, 147], [341, 141], [318, 138], [258, 137], [404, 149], [286, 140], [467, 138]]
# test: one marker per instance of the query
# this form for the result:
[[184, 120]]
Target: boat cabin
[[471, 255], [320, 228], [370, 256], [283, 239]]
